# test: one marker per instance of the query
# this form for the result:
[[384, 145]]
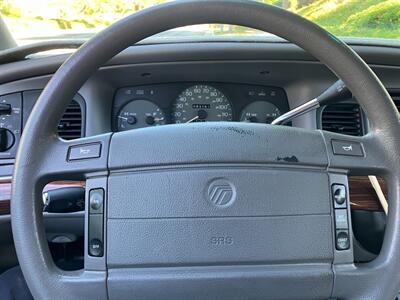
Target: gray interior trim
[[246, 282], [21, 52], [377, 55]]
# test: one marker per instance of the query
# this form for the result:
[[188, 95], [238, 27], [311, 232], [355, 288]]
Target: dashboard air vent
[[396, 99], [70, 126], [342, 118]]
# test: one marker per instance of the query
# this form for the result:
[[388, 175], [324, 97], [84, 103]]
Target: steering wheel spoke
[[365, 156], [61, 160], [76, 159], [356, 155]]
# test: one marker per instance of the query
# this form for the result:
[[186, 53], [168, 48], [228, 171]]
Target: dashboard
[[161, 84], [157, 85], [186, 102]]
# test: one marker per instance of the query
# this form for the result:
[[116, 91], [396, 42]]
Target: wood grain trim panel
[[62, 184], [5, 192], [4, 207], [363, 195]]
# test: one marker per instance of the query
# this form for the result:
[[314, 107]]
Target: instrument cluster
[[174, 103]]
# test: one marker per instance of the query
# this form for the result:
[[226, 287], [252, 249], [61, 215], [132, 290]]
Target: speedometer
[[201, 103]]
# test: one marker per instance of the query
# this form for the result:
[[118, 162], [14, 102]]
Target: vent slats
[[396, 99], [342, 118], [345, 118], [70, 126]]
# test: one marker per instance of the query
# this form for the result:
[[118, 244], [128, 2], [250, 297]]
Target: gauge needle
[[193, 119], [123, 118]]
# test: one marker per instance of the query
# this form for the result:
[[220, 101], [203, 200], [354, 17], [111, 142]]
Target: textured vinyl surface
[[264, 240], [256, 192]]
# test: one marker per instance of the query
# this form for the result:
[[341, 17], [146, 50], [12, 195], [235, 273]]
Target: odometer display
[[201, 103]]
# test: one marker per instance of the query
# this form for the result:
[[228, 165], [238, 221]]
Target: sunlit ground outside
[[38, 20]]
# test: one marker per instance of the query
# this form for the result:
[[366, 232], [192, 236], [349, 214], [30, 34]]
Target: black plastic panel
[[29, 100], [369, 228], [164, 95], [11, 121], [21, 107]]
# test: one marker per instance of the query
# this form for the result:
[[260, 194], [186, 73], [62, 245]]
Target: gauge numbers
[[201, 103], [260, 112], [139, 114]]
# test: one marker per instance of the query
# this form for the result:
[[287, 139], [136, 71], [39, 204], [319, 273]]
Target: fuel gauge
[[260, 112]]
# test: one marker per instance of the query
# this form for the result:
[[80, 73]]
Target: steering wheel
[[214, 210]]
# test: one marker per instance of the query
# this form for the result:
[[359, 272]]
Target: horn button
[[227, 216]]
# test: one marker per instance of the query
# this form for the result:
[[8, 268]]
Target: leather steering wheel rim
[[375, 280]]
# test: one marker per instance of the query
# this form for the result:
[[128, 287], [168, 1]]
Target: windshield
[[40, 20]]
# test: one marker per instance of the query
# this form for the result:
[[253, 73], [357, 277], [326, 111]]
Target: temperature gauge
[[139, 114]]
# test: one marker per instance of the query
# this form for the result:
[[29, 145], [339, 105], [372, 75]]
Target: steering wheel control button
[[339, 196], [341, 219], [347, 148], [342, 240], [95, 234], [96, 248], [96, 200], [96, 222], [85, 151]]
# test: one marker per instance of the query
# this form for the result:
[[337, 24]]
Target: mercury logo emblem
[[221, 192]]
